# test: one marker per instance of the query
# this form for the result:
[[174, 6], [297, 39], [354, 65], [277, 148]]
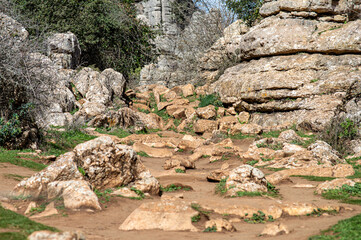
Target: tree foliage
[[247, 10], [108, 31]]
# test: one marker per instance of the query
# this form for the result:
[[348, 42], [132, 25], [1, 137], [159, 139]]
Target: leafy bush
[[247, 10], [339, 133], [108, 31], [11, 129], [210, 99], [259, 217]]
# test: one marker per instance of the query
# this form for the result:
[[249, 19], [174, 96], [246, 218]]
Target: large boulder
[[99, 163], [63, 169], [107, 164]]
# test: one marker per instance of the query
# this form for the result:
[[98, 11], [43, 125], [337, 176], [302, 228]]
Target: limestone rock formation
[[64, 49], [183, 41], [108, 165], [102, 163], [63, 169], [246, 178], [297, 66], [9, 26], [77, 194]]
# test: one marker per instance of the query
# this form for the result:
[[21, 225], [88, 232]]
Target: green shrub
[[221, 187], [210, 229], [339, 133], [343, 230], [12, 128], [259, 217], [109, 33], [210, 99], [247, 10]]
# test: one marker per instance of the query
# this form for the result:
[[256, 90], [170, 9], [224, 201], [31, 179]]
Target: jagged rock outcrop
[[297, 66], [9, 26], [64, 49], [182, 43]]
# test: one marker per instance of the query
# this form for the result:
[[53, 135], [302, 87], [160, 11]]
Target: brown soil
[[104, 224]]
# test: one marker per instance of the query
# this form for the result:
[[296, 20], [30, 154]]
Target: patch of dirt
[[104, 224], [7, 183]]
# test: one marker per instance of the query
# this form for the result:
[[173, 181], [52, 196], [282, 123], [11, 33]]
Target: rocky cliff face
[[181, 43], [299, 65]]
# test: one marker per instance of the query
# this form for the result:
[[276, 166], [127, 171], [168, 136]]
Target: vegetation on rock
[[108, 31]]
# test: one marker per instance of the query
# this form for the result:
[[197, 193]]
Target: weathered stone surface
[[88, 83], [47, 235], [246, 178], [275, 229], [289, 136], [99, 87], [325, 6], [190, 142], [235, 29], [300, 88], [124, 117], [340, 170], [298, 209], [247, 129], [227, 123], [76, 194], [125, 192], [151, 120], [187, 90], [220, 224], [164, 215], [206, 112], [202, 126], [218, 175], [63, 169], [175, 163], [153, 152], [48, 211], [325, 154], [64, 49], [108, 164], [10, 27], [334, 184]]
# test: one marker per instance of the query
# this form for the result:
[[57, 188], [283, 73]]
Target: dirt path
[[104, 224]]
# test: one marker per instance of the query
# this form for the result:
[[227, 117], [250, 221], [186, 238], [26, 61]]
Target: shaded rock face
[[158, 13], [9, 26], [296, 66], [182, 42], [64, 49]]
